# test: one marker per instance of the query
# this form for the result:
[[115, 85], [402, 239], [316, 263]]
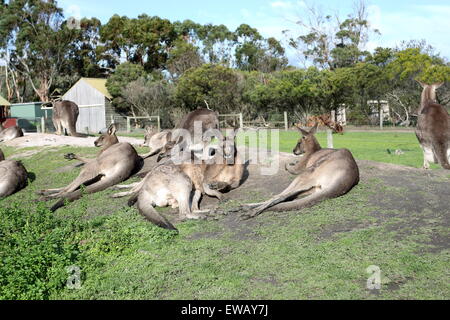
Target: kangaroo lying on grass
[[322, 174], [115, 163], [155, 140], [13, 176], [222, 172], [169, 184], [433, 128], [10, 133]]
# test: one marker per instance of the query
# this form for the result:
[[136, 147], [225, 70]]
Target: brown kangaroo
[[165, 185], [155, 140], [322, 174], [13, 176], [115, 163], [222, 172], [10, 133], [433, 128], [208, 119], [65, 115]]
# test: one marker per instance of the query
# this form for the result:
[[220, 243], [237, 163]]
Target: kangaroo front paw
[[70, 156]]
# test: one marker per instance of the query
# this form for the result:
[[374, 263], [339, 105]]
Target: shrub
[[36, 247]]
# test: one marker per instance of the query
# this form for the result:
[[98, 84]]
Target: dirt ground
[[53, 140]]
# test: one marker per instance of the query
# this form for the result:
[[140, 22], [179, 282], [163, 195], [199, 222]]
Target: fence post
[[241, 120], [286, 125], [381, 118], [42, 124], [159, 123], [128, 125], [330, 139]]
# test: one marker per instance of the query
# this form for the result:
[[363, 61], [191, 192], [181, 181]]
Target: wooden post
[[286, 125], [128, 125], [241, 120], [42, 124], [86, 129], [381, 118], [159, 123], [330, 139]]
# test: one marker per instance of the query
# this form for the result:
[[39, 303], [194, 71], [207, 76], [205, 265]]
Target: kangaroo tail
[[74, 133], [440, 150], [147, 210]]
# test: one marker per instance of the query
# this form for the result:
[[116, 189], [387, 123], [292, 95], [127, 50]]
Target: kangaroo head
[[150, 131], [167, 149], [429, 90], [227, 147], [107, 139], [307, 143]]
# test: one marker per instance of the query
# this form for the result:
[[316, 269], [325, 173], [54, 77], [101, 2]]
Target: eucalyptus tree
[[37, 38]]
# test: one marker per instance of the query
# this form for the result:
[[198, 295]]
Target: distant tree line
[[155, 66]]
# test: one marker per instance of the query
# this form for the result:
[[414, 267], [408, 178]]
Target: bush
[[35, 250]]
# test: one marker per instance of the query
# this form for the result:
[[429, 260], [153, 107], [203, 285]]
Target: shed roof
[[98, 84], [4, 102]]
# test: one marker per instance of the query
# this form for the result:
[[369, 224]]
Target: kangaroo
[[155, 140], [10, 133], [209, 120], [116, 163], [433, 128], [165, 185], [221, 173], [321, 174], [65, 115], [13, 176]]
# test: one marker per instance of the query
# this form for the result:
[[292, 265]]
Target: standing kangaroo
[[321, 174], [433, 128], [10, 133], [115, 163], [13, 176], [65, 115]]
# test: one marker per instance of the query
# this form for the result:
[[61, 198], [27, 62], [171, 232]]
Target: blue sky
[[396, 19]]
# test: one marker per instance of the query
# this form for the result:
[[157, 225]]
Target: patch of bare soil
[[415, 198], [53, 140]]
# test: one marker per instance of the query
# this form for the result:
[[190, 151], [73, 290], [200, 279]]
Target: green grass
[[320, 253], [366, 146]]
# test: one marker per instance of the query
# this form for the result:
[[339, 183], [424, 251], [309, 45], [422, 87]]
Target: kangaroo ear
[[437, 85], [423, 85], [169, 136], [112, 129], [303, 132], [314, 129]]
